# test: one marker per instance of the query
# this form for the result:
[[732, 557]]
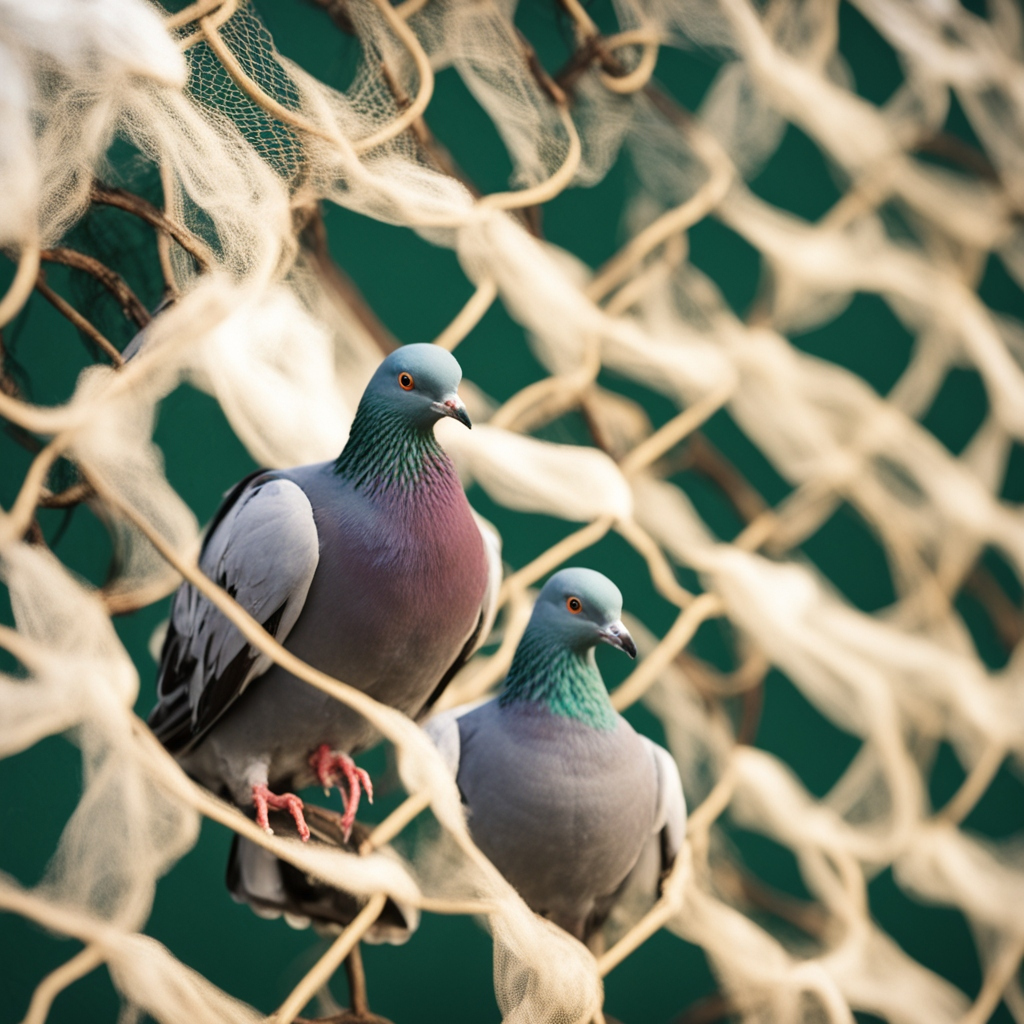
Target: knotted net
[[245, 145]]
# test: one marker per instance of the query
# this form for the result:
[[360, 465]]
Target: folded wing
[[263, 549]]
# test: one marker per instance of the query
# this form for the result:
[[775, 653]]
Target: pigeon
[[274, 888], [563, 796], [372, 568]]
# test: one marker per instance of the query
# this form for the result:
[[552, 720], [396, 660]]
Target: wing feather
[[263, 549], [670, 818]]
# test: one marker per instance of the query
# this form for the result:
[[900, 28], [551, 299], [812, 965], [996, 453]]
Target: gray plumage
[[275, 888], [567, 800], [372, 568]]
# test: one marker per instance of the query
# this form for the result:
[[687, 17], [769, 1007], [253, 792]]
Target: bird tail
[[274, 888]]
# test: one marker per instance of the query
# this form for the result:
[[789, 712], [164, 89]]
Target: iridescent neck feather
[[386, 452], [546, 671]]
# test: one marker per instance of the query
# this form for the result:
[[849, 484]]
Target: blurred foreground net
[[245, 145]]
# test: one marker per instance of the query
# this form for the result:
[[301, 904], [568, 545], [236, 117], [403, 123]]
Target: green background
[[444, 973]]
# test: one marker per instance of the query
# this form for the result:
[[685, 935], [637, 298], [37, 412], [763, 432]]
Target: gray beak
[[454, 408], [616, 634]]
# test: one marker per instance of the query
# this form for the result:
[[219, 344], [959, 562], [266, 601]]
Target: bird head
[[421, 382], [583, 608]]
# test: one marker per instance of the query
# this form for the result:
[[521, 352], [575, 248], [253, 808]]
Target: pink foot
[[263, 799], [330, 768]]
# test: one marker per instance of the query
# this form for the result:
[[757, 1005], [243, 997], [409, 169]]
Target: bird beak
[[616, 634], [455, 408]]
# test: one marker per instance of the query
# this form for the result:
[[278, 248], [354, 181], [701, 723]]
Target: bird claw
[[263, 799], [330, 768]]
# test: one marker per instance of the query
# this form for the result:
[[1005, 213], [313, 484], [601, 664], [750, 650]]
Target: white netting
[[247, 143]]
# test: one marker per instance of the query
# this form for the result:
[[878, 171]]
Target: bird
[[567, 800], [372, 568], [274, 888]]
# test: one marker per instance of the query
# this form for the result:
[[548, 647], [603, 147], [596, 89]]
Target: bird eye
[[405, 381], [575, 605]]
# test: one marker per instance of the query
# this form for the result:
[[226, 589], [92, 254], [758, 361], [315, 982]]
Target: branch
[[145, 210], [110, 279], [85, 326]]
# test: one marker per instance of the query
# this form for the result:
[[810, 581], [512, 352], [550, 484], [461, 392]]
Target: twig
[[956, 151], [1006, 617], [110, 279], [554, 91], [706, 459], [85, 326], [68, 498], [739, 883], [322, 970], [145, 210], [438, 154], [356, 982]]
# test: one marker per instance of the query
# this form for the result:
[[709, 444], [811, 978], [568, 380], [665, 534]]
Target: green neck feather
[[385, 451], [544, 670]]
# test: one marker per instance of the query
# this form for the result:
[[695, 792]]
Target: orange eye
[[405, 381], [575, 605]]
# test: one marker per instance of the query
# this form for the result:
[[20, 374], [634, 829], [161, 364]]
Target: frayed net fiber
[[246, 145]]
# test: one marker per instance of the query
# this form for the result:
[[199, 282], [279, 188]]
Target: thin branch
[[145, 210], [356, 982], [110, 279], [322, 970], [85, 326], [1006, 618], [68, 498], [437, 153], [740, 884], [704, 458], [958, 152]]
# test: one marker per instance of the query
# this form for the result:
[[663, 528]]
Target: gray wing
[[641, 886], [488, 611], [263, 549], [274, 887], [670, 819]]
